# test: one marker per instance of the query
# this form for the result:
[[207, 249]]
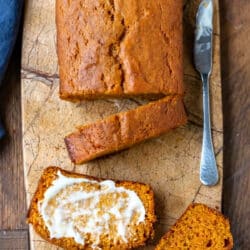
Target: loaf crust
[[119, 48], [143, 191], [200, 227], [125, 129]]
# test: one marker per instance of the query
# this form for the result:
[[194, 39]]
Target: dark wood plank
[[235, 28], [14, 240], [12, 196]]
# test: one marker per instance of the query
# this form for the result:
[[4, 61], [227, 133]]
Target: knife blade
[[203, 37], [203, 62]]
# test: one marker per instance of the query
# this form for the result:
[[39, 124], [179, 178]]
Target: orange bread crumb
[[137, 233], [200, 227]]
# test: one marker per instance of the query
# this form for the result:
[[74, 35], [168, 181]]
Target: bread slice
[[119, 48], [76, 211], [125, 129], [200, 227]]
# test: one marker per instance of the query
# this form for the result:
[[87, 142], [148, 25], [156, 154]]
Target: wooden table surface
[[235, 54]]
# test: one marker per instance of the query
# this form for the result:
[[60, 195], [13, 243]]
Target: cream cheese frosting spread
[[86, 209]]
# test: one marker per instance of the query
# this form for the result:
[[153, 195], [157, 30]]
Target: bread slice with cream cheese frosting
[[76, 211]]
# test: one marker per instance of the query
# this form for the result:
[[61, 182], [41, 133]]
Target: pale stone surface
[[170, 163]]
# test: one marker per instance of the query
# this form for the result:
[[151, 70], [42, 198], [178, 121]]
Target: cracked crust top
[[119, 47]]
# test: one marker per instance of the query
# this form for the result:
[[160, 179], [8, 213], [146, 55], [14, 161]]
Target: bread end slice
[[125, 129], [200, 227]]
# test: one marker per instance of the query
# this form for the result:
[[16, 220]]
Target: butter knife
[[203, 61]]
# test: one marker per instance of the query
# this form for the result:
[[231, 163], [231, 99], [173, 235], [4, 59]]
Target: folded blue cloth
[[10, 13]]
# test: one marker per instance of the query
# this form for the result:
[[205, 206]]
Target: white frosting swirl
[[79, 207]]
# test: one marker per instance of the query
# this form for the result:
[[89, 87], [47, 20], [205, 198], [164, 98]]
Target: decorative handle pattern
[[208, 170]]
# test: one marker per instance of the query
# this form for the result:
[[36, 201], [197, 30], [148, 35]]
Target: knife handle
[[208, 169]]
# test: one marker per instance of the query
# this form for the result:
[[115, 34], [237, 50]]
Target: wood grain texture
[[12, 196], [14, 240], [169, 163], [235, 25]]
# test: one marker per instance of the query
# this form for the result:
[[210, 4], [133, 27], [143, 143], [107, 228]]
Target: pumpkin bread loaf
[[119, 48], [76, 211]]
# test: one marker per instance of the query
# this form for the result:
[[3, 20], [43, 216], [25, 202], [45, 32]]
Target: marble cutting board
[[170, 163]]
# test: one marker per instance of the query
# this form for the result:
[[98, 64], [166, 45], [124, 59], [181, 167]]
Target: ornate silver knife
[[203, 62]]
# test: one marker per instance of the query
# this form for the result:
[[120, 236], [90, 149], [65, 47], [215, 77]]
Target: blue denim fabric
[[10, 13]]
